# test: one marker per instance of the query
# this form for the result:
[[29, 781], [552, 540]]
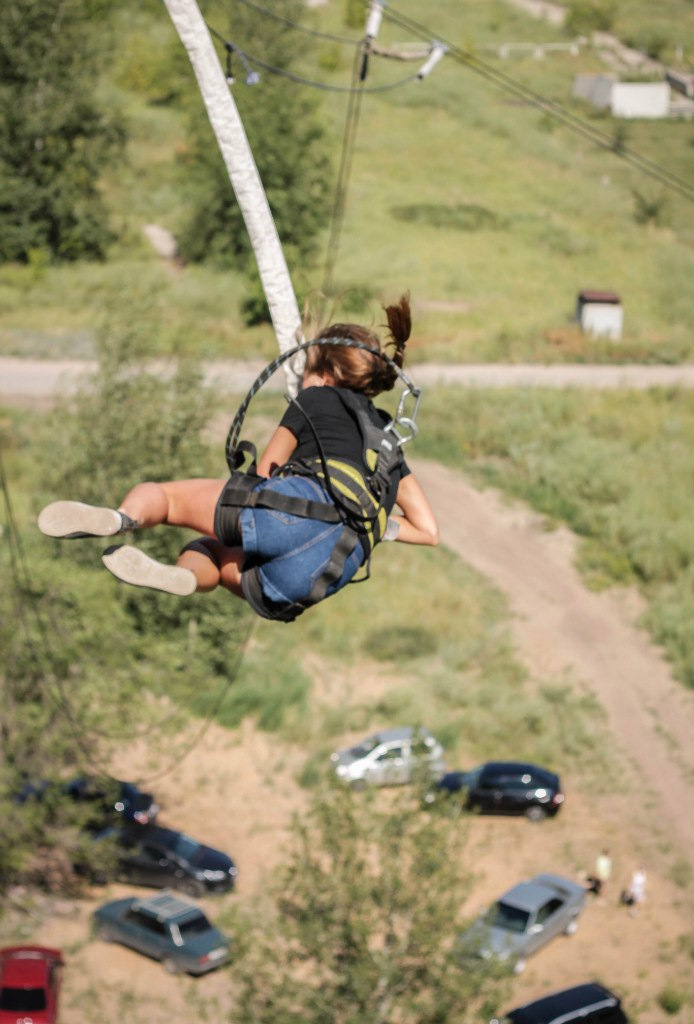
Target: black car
[[112, 798], [505, 787], [105, 802], [589, 1004], [164, 858]]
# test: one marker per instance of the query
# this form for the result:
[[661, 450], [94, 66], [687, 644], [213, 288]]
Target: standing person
[[277, 549], [637, 890], [603, 869]]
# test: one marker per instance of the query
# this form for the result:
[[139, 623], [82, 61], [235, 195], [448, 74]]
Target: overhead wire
[[550, 107], [300, 79], [297, 24], [349, 136]]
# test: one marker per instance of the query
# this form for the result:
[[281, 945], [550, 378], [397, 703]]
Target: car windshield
[[185, 847], [503, 915], [195, 926], [471, 778], [362, 749], [22, 1000]]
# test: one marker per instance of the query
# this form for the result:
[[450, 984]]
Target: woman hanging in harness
[[301, 528]]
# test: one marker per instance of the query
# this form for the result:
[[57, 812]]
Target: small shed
[[600, 313]]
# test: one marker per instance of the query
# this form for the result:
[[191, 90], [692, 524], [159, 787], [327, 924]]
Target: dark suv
[[586, 1004], [163, 858], [505, 787]]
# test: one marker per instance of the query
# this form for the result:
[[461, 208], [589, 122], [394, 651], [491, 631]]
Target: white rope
[[243, 173]]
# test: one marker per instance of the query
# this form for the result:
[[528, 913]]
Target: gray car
[[525, 918], [389, 758], [166, 928]]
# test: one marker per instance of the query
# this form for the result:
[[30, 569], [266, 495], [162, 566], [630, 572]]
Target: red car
[[29, 984]]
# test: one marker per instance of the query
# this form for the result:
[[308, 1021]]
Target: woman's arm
[[417, 524], [279, 449]]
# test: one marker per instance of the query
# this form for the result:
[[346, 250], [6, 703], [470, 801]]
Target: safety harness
[[357, 498]]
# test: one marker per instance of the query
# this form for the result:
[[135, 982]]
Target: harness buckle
[[405, 427]]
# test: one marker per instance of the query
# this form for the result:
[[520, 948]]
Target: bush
[[671, 999], [586, 16]]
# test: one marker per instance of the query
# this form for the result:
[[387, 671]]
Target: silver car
[[389, 758], [525, 918]]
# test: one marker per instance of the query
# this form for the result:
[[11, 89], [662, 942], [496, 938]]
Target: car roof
[[22, 966], [167, 907], [405, 732], [560, 1006], [531, 894], [519, 766], [154, 833]]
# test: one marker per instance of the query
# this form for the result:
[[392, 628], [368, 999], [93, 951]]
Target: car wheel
[[519, 966], [170, 966], [572, 927], [191, 887], [536, 813], [104, 933]]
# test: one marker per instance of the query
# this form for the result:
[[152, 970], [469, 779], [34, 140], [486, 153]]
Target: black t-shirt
[[337, 430]]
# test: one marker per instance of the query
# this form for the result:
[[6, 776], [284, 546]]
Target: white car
[[389, 758]]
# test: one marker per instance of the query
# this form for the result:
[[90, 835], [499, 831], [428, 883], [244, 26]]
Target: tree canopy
[[55, 136]]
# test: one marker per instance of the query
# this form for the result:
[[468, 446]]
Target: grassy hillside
[[490, 213], [617, 468]]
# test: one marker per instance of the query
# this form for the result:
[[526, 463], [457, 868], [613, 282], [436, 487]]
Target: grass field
[[479, 205], [616, 468]]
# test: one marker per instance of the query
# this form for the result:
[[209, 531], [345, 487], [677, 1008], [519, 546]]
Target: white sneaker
[[129, 564], [72, 519]]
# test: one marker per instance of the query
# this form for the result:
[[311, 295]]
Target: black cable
[[299, 79], [349, 137], [547, 106], [297, 25]]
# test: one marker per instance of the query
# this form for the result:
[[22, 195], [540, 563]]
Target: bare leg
[[213, 564], [189, 503]]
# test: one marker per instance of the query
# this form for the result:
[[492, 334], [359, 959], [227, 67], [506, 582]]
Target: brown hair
[[353, 367]]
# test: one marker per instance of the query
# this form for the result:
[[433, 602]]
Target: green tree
[[80, 653], [585, 16], [288, 142], [367, 912], [55, 139]]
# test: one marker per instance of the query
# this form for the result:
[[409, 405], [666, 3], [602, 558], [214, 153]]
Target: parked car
[[164, 927], [504, 787], [112, 797], [29, 984], [587, 1004], [106, 800], [525, 918], [389, 758], [162, 857]]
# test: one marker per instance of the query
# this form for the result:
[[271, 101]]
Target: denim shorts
[[286, 554]]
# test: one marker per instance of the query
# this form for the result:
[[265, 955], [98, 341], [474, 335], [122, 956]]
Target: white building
[[624, 99], [600, 314]]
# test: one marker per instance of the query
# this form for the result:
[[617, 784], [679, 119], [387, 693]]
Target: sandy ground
[[238, 791]]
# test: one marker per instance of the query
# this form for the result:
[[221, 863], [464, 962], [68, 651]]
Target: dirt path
[[37, 381], [561, 626]]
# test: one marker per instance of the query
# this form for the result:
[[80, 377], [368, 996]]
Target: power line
[[297, 25], [311, 83], [549, 107], [349, 137]]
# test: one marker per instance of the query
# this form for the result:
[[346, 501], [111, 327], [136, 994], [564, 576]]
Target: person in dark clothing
[[268, 555]]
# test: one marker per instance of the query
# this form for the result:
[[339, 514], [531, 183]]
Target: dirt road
[[37, 381], [561, 626]]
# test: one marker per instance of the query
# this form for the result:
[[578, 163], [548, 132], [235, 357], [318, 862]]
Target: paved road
[[31, 381]]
